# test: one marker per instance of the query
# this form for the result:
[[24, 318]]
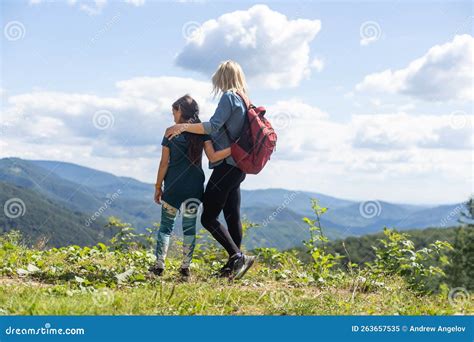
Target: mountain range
[[66, 203]]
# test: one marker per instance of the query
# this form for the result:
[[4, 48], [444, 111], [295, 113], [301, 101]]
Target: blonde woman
[[223, 188]]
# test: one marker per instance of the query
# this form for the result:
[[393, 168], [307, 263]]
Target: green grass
[[251, 296], [113, 280]]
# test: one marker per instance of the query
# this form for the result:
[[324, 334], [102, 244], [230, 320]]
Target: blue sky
[[350, 125]]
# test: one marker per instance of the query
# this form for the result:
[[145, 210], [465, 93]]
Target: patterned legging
[[168, 219]]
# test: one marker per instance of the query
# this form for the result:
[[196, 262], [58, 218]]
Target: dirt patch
[[7, 281]]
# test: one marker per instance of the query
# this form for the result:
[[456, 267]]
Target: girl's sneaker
[[158, 271], [226, 270], [185, 274]]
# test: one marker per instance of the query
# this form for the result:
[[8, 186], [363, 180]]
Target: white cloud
[[140, 113], [91, 7], [317, 64], [303, 129], [272, 49], [401, 131], [362, 157], [136, 2], [445, 72]]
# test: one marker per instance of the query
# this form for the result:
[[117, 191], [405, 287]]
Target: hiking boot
[[158, 271], [241, 265], [226, 270], [185, 274]]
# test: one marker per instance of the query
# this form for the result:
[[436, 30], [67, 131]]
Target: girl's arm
[[164, 162], [211, 153]]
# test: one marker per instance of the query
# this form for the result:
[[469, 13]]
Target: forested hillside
[[89, 196]]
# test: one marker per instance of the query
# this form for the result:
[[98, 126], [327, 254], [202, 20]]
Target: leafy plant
[[126, 238], [322, 261], [421, 268]]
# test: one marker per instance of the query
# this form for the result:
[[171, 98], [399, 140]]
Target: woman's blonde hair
[[229, 76]]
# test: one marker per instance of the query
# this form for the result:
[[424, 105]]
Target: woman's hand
[[158, 194], [175, 130]]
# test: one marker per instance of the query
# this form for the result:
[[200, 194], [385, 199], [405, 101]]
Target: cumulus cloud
[[445, 72], [137, 116], [136, 2], [401, 131], [319, 152], [304, 129], [273, 50]]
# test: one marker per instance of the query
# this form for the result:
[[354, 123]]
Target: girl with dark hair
[[181, 172], [223, 188]]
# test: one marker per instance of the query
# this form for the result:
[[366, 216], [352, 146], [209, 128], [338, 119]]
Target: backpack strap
[[248, 105], [245, 98]]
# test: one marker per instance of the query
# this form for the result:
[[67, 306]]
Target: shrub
[[421, 268]]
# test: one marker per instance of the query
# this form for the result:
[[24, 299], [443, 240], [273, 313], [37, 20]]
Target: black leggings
[[223, 193]]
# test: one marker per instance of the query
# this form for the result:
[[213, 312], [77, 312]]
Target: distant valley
[[61, 201]]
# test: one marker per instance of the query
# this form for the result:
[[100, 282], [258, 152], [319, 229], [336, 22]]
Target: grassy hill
[[104, 280]]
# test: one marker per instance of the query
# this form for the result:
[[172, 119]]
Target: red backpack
[[252, 150]]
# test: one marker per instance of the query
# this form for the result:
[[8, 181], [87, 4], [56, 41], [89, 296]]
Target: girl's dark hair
[[190, 114]]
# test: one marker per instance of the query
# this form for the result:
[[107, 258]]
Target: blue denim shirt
[[230, 111]]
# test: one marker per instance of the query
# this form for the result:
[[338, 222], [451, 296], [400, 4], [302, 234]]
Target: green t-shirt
[[184, 180]]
